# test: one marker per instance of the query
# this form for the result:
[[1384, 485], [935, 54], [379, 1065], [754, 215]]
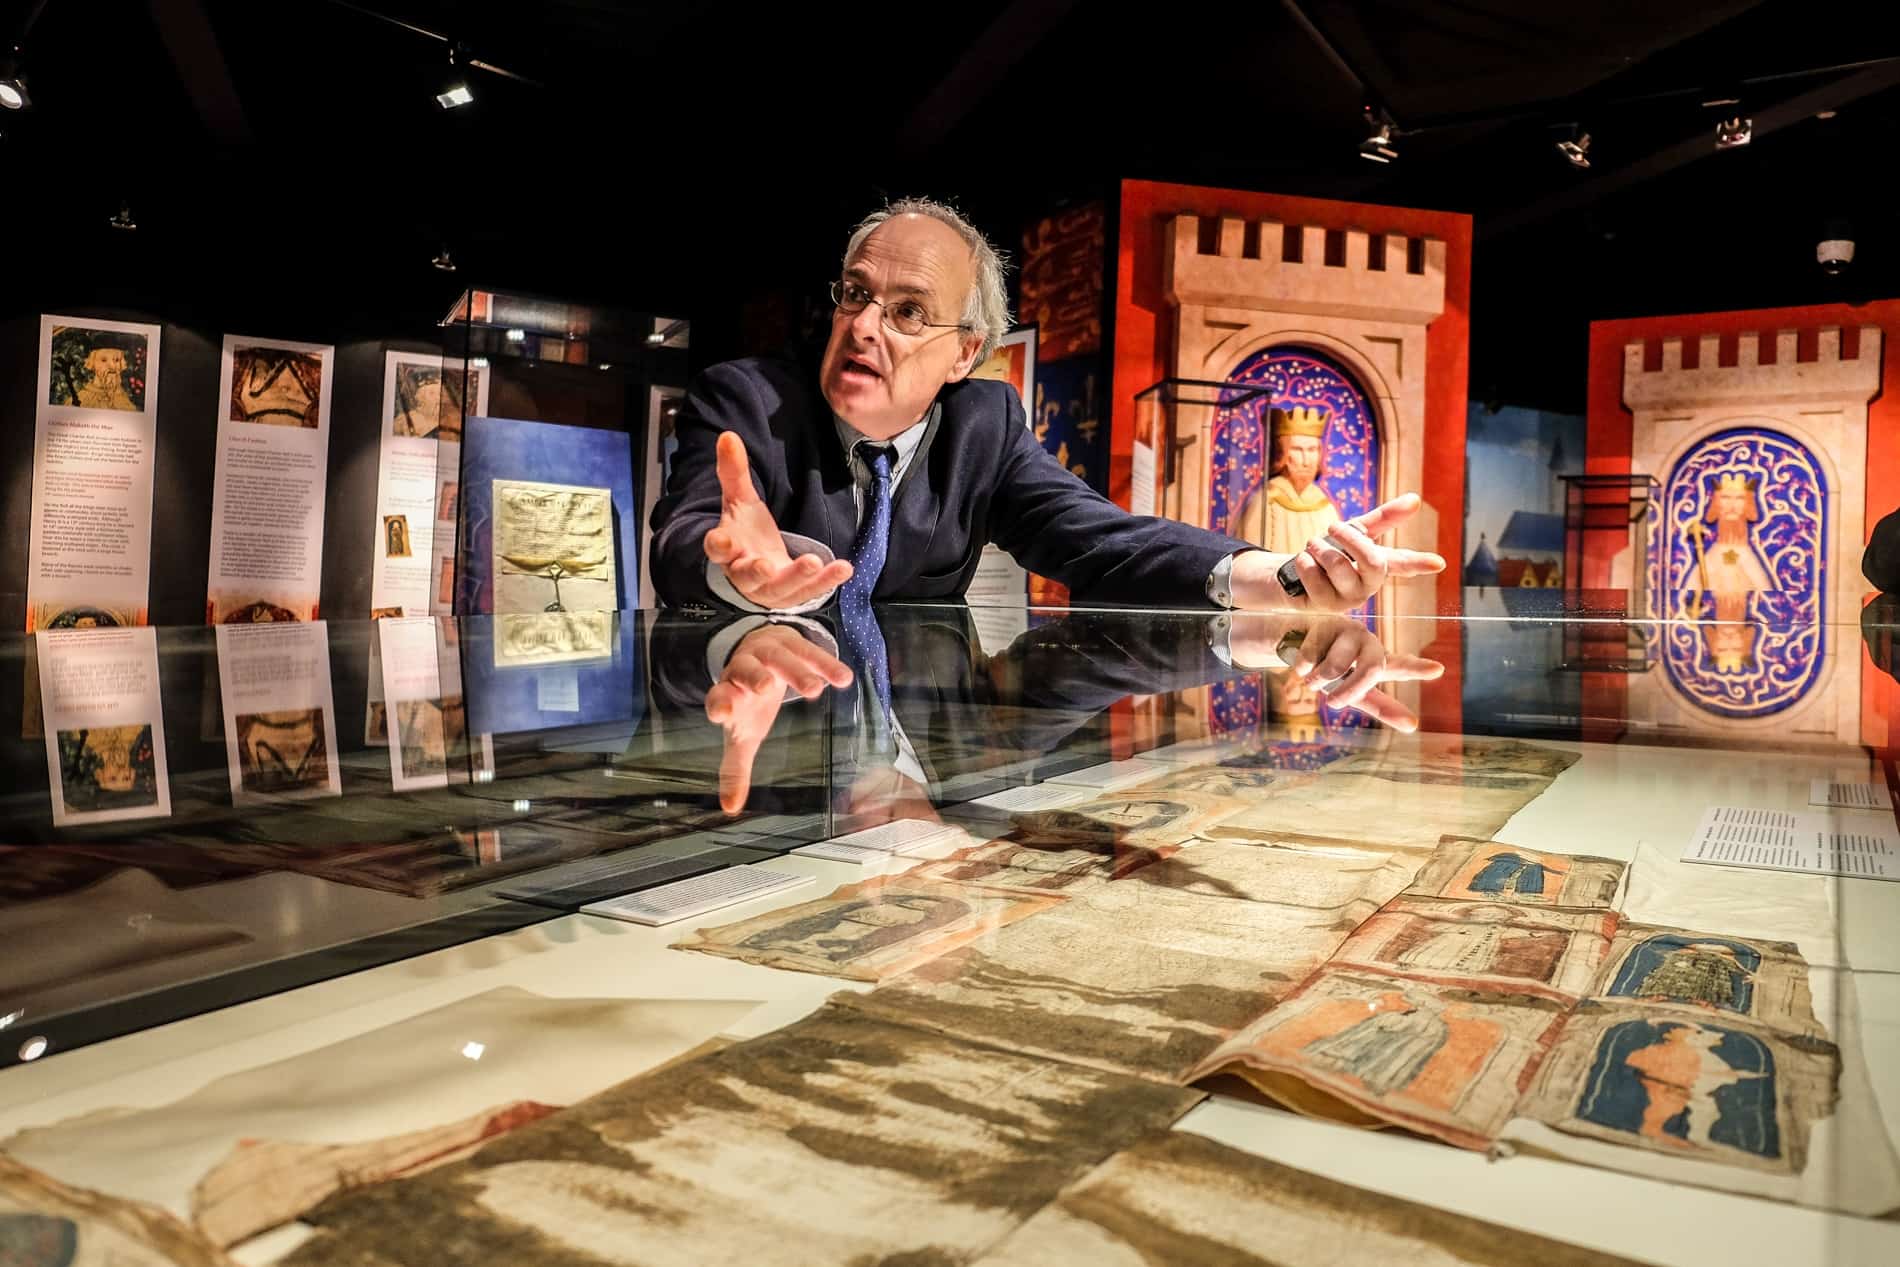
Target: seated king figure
[[1292, 509]]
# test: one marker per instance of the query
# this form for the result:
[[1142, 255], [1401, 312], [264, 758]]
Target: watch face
[[1289, 577]]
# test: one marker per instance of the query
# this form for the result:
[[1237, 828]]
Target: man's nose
[[867, 324]]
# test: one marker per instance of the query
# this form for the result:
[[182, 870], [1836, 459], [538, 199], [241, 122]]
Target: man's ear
[[966, 358]]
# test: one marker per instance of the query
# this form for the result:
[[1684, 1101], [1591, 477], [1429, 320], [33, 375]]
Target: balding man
[[885, 476]]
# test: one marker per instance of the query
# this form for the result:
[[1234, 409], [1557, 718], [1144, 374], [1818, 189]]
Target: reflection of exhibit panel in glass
[[279, 715], [104, 725]]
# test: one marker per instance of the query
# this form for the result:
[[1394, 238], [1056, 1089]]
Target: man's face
[[1300, 458], [1731, 505], [881, 381], [106, 364]]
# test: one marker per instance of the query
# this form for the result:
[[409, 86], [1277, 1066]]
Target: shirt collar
[[905, 441]]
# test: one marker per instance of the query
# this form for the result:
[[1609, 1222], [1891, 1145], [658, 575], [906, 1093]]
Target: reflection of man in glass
[[275, 387], [1292, 509], [1730, 565], [105, 388]]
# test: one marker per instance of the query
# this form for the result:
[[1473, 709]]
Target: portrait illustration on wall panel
[[98, 369], [276, 387], [396, 537], [1765, 981], [1741, 553]]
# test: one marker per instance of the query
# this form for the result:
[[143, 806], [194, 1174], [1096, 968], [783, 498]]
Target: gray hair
[[986, 311]]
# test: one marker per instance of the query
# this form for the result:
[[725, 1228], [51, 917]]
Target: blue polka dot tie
[[863, 640]]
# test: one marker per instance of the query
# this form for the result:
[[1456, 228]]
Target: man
[[887, 474], [1881, 563]]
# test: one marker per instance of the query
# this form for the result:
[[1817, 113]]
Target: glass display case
[[1122, 934]]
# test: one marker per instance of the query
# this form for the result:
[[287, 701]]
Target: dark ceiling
[[284, 159]]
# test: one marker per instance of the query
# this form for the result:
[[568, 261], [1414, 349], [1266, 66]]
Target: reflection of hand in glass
[[1338, 658], [745, 701], [881, 794]]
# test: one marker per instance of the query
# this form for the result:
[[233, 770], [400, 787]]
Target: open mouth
[[855, 367]]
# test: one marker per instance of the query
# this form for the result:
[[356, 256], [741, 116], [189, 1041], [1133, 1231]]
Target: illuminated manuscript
[[43, 1221], [838, 1139], [553, 547], [1181, 1198], [871, 930]]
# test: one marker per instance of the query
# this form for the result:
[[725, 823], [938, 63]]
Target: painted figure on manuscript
[[1691, 969], [1507, 872], [852, 930], [1385, 1051], [1680, 1082]]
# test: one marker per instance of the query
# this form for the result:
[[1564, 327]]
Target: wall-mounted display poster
[[548, 519], [279, 717], [105, 731], [267, 499], [95, 429], [420, 438]]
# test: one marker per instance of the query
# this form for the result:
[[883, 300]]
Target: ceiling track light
[[13, 93], [443, 261], [1576, 148], [1734, 132], [1381, 143], [123, 221], [455, 90]]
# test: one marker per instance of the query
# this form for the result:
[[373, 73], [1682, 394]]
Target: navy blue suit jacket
[[981, 477]]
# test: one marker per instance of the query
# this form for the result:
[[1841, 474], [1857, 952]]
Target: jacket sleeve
[[1054, 524], [724, 398], [1881, 563]]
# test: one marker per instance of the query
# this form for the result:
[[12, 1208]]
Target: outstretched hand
[[745, 701], [1338, 658], [1339, 570], [747, 544]]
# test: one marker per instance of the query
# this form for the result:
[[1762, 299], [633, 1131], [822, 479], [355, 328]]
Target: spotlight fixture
[[13, 93], [442, 261], [1576, 148], [1734, 132], [455, 92], [123, 221], [1381, 144]]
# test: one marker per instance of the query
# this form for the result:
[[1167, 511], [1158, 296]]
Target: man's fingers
[[1387, 711], [720, 548], [1320, 594], [827, 666], [1413, 563], [774, 584], [735, 769], [1412, 668], [1390, 514], [735, 473], [1340, 569]]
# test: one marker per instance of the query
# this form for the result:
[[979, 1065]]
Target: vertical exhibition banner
[[94, 437], [267, 501], [420, 453], [105, 731], [279, 717]]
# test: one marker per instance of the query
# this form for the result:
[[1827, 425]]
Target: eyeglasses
[[906, 316]]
